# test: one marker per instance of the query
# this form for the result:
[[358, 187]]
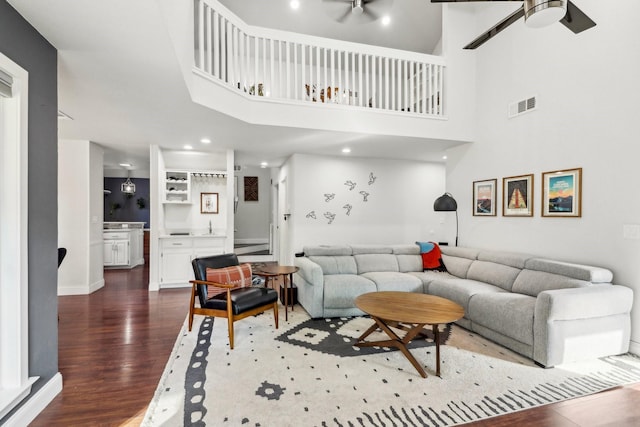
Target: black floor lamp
[[446, 203]]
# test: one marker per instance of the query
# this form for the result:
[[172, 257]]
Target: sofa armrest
[[310, 282], [583, 303], [310, 271], [581, 323]]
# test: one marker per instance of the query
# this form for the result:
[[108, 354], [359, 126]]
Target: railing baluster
[[366, 80], [324, 82], [216, 46], [224, 44], [209, 54], [412, 85], [440, 85], [303, 71], [431, 94], [200, 57], [288, 67]]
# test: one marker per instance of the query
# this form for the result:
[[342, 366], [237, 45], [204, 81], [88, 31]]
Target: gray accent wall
[[25, 46]]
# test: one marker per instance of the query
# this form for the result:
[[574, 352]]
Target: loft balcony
[[289, 67], [277, 78]]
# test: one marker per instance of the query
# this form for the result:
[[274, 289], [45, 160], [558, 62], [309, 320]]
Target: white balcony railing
[[260, 62]]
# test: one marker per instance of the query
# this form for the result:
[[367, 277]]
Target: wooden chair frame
[[228, 313]]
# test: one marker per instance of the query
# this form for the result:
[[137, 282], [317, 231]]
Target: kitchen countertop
[[192, 235]]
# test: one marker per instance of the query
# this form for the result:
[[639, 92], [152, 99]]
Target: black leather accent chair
[[234, 304]]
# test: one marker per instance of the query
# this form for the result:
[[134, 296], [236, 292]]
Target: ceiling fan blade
[[481, 39], [576, 20], [344, 16]]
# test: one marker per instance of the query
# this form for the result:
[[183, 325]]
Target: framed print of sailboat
[[518, 195]]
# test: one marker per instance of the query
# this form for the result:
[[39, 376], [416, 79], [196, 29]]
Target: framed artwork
[[250, 188], [562, 193], [484, 197], [209, 203], [517, 197]]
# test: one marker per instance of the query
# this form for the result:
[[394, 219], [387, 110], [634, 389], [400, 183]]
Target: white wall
[[252, 219], [587, 90], [80, 211], [399, 207]]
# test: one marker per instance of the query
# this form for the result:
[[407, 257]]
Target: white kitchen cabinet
[[123, 248], [176, 254], [116, 252]]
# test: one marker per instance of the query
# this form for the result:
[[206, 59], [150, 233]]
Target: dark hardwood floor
[[114, 343]]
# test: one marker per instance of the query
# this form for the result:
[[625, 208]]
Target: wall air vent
[[521, 107]]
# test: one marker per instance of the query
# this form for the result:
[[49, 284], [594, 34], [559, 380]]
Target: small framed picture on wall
[[517, 197], [484, 197], [209, 203], [562, 193]]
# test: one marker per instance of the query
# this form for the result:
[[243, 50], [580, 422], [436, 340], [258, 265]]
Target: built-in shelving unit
[[177, 187]]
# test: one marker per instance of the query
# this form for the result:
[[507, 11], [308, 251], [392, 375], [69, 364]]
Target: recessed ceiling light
[[295, 4], [205, 141], [264, 164], [188, 147], [125, 165], [444, 157], [346, 150], [386, 20]]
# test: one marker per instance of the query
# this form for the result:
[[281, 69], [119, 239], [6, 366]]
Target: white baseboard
[[80, 289], [251, 241], [36, 403], [154, 286], [634, 347]]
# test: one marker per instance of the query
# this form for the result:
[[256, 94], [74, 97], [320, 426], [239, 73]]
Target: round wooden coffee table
[[410, 312]]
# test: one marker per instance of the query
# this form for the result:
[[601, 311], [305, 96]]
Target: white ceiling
[[120, 81]]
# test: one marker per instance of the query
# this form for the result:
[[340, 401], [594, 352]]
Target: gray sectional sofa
[[550, 311]]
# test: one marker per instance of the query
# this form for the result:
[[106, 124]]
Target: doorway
[[254, 229]]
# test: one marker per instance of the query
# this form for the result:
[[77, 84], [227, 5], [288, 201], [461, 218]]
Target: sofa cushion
[[391, 281], [336, 264], [456, 266], [429, 276], [335, 250], [576, 271], [407, 263], [405, 249], [460, 290], [512, 259], [371, 249], [341, 290], [494, 274], [504, 312], [459, 252], [530, 282], [376, 262]]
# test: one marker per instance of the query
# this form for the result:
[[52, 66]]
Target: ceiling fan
[[537, 14], [357, 11]]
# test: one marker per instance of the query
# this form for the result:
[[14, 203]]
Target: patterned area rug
[[308, 373]]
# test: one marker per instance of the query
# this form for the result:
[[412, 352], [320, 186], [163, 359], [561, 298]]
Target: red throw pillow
[[239, 275], [431, 256]]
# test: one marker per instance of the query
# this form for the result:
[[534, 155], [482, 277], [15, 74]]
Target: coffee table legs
[[401, 343]]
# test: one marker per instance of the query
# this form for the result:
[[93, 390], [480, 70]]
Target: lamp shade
[[445, 203]]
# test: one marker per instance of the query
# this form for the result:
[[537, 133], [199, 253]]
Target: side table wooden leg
[[436, 338], [286, 297]]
